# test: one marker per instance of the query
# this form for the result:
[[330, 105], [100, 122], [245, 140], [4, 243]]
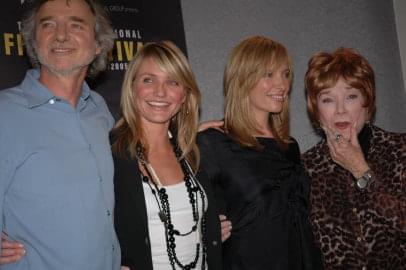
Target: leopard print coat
[[360, 229]]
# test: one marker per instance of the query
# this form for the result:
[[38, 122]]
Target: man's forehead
[[80, 6], [78, 10]]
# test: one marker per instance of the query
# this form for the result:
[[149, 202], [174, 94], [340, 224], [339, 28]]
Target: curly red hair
[[324, 70]]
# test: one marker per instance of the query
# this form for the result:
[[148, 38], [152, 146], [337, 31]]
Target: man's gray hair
[[104, 34]]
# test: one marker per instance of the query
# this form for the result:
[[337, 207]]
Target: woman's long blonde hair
[[128, 132], [247, 64]]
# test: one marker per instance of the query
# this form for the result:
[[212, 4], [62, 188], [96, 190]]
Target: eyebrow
[[77, 19], [147, 74], [323, 92], [47, 18], [71, 18]]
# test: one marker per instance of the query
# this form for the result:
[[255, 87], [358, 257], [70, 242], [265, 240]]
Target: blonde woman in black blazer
[[155, 152]]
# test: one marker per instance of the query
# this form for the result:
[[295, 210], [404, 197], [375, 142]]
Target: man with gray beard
[[56, 169]]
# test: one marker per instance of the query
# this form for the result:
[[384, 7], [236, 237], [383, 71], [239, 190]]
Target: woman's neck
[[263, 129], [157, 139], [161, 156]]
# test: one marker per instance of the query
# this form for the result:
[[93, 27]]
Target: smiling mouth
[[158, 104], [61, 50], [280, 98]]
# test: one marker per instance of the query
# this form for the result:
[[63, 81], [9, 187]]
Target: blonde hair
[[128, 132], [246, 65]]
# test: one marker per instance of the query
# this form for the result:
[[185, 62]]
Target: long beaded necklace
[[159, 192]]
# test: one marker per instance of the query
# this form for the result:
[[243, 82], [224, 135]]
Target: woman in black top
[[255, 166]]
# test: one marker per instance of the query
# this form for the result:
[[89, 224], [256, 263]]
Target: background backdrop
[[214, 27]]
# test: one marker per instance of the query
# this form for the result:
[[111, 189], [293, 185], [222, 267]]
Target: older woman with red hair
[[358, 170]]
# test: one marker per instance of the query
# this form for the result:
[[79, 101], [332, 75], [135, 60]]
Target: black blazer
[[131, 218]]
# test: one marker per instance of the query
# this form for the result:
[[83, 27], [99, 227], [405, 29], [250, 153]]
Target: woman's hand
[[346, 152], [211, 124], [225, 228], [11, 251]]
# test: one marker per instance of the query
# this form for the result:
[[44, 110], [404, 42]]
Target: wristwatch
[[364, 180]]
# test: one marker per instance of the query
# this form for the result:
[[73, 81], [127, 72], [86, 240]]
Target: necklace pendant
[[162, 216]]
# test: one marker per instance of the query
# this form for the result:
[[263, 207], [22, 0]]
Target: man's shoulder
[[12, 106], [102, 106], [97, 97], [11, 98], [99, 100]]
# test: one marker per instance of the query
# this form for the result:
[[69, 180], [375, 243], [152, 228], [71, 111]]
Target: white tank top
[[182, 219]]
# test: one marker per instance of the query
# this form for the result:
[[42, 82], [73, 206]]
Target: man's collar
[[37, 94], [85, 92]]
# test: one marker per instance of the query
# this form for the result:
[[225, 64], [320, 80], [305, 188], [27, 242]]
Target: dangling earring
[[368, 124]]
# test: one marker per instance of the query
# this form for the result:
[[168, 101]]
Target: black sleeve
[[130, 218], [210, 162]]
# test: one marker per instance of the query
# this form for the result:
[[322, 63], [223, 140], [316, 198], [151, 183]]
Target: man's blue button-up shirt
[[56, 179]]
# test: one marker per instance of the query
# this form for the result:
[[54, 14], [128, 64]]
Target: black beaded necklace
[[193, 189]]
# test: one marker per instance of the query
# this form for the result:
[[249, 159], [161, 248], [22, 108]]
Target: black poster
[[135, 23]]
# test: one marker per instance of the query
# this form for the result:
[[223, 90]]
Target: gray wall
[[214, 27], [399, 7]]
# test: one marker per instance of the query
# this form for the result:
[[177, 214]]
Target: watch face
[[362, 183]]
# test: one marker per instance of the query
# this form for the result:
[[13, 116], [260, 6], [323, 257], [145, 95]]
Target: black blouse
[[265, 195]]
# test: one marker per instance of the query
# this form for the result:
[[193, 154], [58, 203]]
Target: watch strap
[[365, 180]]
